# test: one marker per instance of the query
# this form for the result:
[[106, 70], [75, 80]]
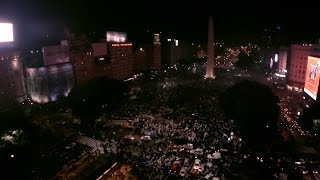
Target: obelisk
[[210, 56]]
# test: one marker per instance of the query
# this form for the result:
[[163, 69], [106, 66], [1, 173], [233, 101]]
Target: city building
[[81, 57], [121, 57], [50, 73], [12, 85], [170, 52], [47, 83], [156, 53], [140, 60], [101, 62], [283, 58], [297, 64]]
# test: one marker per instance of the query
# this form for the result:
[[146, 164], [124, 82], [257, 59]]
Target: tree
[[89, 100], [244, 61], [255, 110]]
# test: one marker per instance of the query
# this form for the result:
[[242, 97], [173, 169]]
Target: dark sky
[[233, 21]]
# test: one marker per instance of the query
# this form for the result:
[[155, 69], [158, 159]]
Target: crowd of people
[[175, 128], [168, 136]]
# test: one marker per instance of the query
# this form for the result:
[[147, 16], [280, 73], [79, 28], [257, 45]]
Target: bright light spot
[[280, 75], [15, 65], [12, 156], [6, 32], [177, 43], [276, 58], [169, 40], [299, 113]]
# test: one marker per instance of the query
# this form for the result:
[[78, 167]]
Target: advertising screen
[[312, 77], [6, 32], [55, 55], [116, 36]]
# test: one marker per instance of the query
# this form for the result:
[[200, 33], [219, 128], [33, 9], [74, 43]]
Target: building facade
[[140, 61], [121, 58], [297, 64], [156, 53], [49, 82], [12, 85], [283, 58]]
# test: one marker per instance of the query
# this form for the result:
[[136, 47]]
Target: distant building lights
[[121, 45]]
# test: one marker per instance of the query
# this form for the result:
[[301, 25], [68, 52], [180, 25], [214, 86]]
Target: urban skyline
[[159, 90], [235, 22]]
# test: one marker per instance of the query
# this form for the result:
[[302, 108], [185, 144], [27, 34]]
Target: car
[[197, 163], [190, 146], [183, 171], [201, 168], [146, 138], [198, 151], [186, 162]]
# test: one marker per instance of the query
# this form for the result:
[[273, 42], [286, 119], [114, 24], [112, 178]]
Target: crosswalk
[[307, 150], [118, 122], [95, 144], [112, 148]]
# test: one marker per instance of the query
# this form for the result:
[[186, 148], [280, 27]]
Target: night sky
[[234, 22]]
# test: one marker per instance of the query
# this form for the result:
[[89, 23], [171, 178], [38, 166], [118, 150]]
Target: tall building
[[210, 57], [81, 58], [101, 62], [140, 60], [51, 76], [12, 85], [121, 57], [156, 53], [283, 58], [170, 52], [297, 64]]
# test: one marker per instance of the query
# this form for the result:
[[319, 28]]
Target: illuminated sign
[[116, 36], [312, 77], [6, 32], [121, 45]]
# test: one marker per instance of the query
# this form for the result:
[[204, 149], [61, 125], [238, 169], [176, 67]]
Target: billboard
[[312, 77], [99, 49], [113, 36], [55, 55], [6, 32]]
